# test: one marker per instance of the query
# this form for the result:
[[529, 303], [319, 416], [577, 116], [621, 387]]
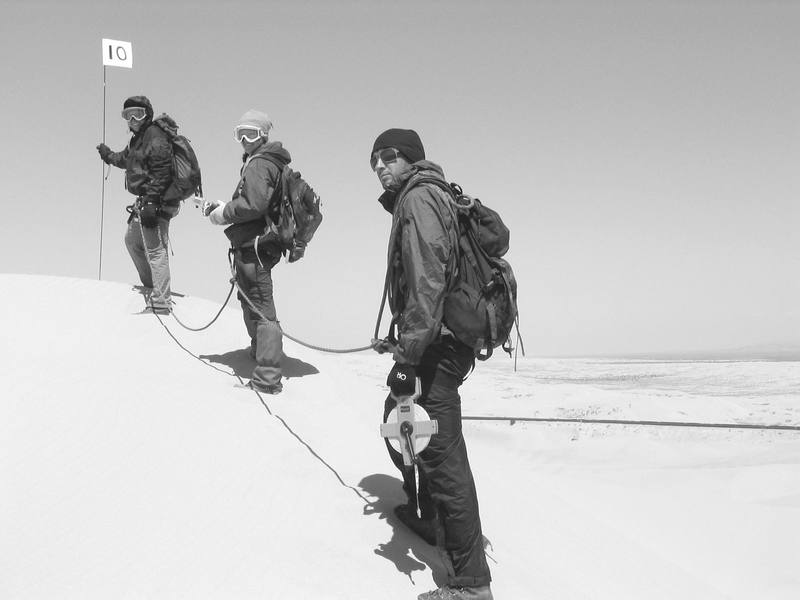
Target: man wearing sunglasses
[[147, 160], [422, 246], [251, 218]]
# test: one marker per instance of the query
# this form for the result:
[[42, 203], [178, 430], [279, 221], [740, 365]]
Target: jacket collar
[[422, 168]]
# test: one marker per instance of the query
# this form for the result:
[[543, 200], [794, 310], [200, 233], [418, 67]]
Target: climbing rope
[[324, 349], [242, 294], [511, 420], [210, 323], [291, 337], [168, 244]]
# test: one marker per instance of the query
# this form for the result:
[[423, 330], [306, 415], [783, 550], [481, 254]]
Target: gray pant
[[254, 278], [148, 249]]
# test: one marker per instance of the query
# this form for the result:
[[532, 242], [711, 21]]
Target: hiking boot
[[143, 290], [426, 529], [159, 310], [276, 388], [458, 593]]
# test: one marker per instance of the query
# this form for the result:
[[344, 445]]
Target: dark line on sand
[[272, 414], [625, 422]]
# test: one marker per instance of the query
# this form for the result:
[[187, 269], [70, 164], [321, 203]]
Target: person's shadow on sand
[[242, 364], [405, 549]]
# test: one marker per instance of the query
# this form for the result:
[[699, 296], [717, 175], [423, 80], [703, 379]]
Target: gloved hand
[[148, 215], [297, 251], [382, 346], [216, 216], [208, 206], [402, 380], [104, 151]]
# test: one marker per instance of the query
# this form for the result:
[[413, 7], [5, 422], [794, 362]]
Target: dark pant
[[254, 278], [446, 483]]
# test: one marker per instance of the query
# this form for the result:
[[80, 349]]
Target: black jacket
[[147, 161]]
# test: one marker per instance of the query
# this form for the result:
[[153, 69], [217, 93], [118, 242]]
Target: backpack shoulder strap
[[278, 192], [441, 184], [450, 204], [252, 157], [451, 190]]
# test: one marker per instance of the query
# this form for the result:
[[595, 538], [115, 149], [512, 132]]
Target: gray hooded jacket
[[250, 206], [421, 260]]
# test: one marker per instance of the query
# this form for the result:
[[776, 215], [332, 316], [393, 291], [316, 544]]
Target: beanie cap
[[405, 140], [256, 118]]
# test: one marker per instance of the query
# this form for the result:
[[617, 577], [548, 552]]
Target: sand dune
[[131, 467]]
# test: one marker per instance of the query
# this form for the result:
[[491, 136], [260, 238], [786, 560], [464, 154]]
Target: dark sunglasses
[[387, 156]]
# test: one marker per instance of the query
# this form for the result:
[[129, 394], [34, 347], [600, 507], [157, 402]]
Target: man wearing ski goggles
[[147, 161], [251, 223], [248, 134], [135, 113]]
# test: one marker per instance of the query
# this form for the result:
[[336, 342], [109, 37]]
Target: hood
[[422, 168], [274, 150]]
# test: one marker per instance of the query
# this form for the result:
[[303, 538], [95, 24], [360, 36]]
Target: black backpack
[[298, 210], [293, 213], [480, 307], [186, 180], [481, 304]]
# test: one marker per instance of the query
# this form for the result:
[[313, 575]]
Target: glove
[[148, 215], [402, 380], [297, 252], [104, 151], [382, 346], [208, 206], [216, 216]]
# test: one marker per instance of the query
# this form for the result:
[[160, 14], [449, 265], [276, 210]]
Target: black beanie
[[405, 140], [140, 101]]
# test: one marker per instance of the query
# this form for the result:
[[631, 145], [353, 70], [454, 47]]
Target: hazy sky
[[644, 154]]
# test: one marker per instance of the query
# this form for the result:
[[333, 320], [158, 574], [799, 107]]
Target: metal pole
[[103, 182]]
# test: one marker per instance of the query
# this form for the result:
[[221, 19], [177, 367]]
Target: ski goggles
[[134, 112], [387, 156], [247, 133]]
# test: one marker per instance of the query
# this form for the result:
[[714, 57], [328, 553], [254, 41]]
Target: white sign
[[117, 54]]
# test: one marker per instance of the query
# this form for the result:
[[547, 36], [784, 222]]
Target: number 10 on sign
[[117, 54]]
